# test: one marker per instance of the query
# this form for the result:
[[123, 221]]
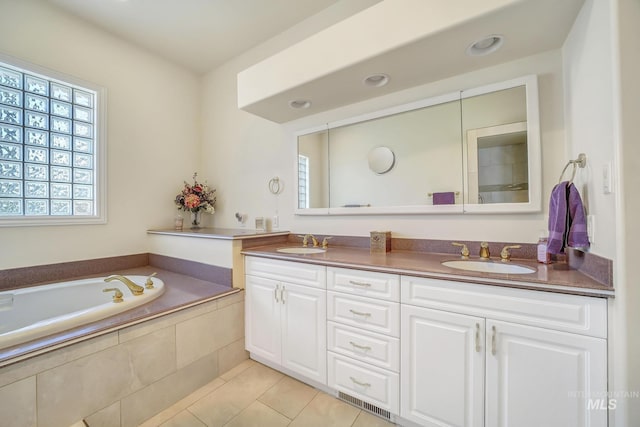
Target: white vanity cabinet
[[285, 315], [363, 335], [477, 355]]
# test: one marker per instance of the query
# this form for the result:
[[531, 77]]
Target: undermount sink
[[302, 250], [488, 267]]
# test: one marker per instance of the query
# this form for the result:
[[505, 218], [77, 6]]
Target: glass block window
[[48, 147], [303, 182]]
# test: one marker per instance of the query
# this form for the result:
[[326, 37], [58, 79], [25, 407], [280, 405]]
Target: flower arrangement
[[197, 197]]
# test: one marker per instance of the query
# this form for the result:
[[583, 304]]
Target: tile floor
[[252, 394]]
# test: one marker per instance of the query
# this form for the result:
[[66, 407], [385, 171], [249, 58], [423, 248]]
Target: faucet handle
[[325, 242], [305, 240], [149, 283], [505, 254], [464, 251], [117, 296]]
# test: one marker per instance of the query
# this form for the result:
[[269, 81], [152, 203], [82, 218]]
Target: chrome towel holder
[[580, 162]]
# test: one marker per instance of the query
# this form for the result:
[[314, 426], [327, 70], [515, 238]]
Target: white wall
[[588, 77], [625, 369], [601, 63], [153, 133]]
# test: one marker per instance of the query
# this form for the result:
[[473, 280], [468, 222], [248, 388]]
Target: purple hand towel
[[446, 198], [558, 215], [577, 236], [567, 220]]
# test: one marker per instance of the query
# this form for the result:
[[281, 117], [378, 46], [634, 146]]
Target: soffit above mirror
[[404, 40]]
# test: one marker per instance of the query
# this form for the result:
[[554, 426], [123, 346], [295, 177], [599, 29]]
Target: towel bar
[[580, 162], [457, 193]]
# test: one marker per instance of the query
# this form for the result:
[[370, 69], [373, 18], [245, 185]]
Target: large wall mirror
[[471, 151]]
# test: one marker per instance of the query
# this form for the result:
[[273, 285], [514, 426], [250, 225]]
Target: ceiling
[[197, 34]]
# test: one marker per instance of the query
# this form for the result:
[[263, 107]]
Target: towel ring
[[580, 162], [274, 185]]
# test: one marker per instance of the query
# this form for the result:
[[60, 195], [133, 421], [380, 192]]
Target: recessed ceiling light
[[300, 104], [485, 45], [376, 80]]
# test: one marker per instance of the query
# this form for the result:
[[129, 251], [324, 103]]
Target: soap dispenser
[[544, 256]]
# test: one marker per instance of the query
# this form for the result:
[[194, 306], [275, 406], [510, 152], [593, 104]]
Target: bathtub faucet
[[135, 289]]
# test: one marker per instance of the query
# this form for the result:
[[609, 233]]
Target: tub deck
[[181, 291]]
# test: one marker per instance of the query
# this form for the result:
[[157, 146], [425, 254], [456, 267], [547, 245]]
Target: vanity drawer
[[286, 271], [371, 384], [377, 349], [367, 313], [365, 283], [568, 313]]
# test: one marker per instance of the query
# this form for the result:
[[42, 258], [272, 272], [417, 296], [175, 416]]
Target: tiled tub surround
[[423, 258], [126, 368], [124, 377], [181, 291]]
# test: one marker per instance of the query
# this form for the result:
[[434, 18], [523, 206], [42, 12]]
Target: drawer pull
[[478, 337], [355, 381], [275, 293], [359, 313], [363, 284], [361, 347], [282, 294], [493, 341]]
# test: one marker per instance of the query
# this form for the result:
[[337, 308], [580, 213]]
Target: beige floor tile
[[258, 414], [288, 396], [241, 367], [326, 411], [184, 403], [224, 403], [365, 419], [184, 419]]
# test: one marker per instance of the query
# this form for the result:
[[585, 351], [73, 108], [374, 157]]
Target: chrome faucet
[[135, 289]]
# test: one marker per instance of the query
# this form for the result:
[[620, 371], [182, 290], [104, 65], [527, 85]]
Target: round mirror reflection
[[381, 160]]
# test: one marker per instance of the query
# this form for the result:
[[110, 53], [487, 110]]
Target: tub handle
[[149, 283], [117, 296]]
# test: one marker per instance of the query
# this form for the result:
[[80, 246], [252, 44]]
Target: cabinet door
[[262, 318], [304, 331], [442, 368], [539, 377]]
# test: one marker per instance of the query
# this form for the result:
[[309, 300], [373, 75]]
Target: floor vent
[[365, 405]]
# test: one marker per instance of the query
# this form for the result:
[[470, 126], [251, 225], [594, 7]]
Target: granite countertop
[[180, 292], [557, 277]]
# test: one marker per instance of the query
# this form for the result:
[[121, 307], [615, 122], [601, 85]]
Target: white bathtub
[[34, 312]]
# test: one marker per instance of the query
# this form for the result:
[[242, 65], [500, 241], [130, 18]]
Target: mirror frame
[[533, 153]]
